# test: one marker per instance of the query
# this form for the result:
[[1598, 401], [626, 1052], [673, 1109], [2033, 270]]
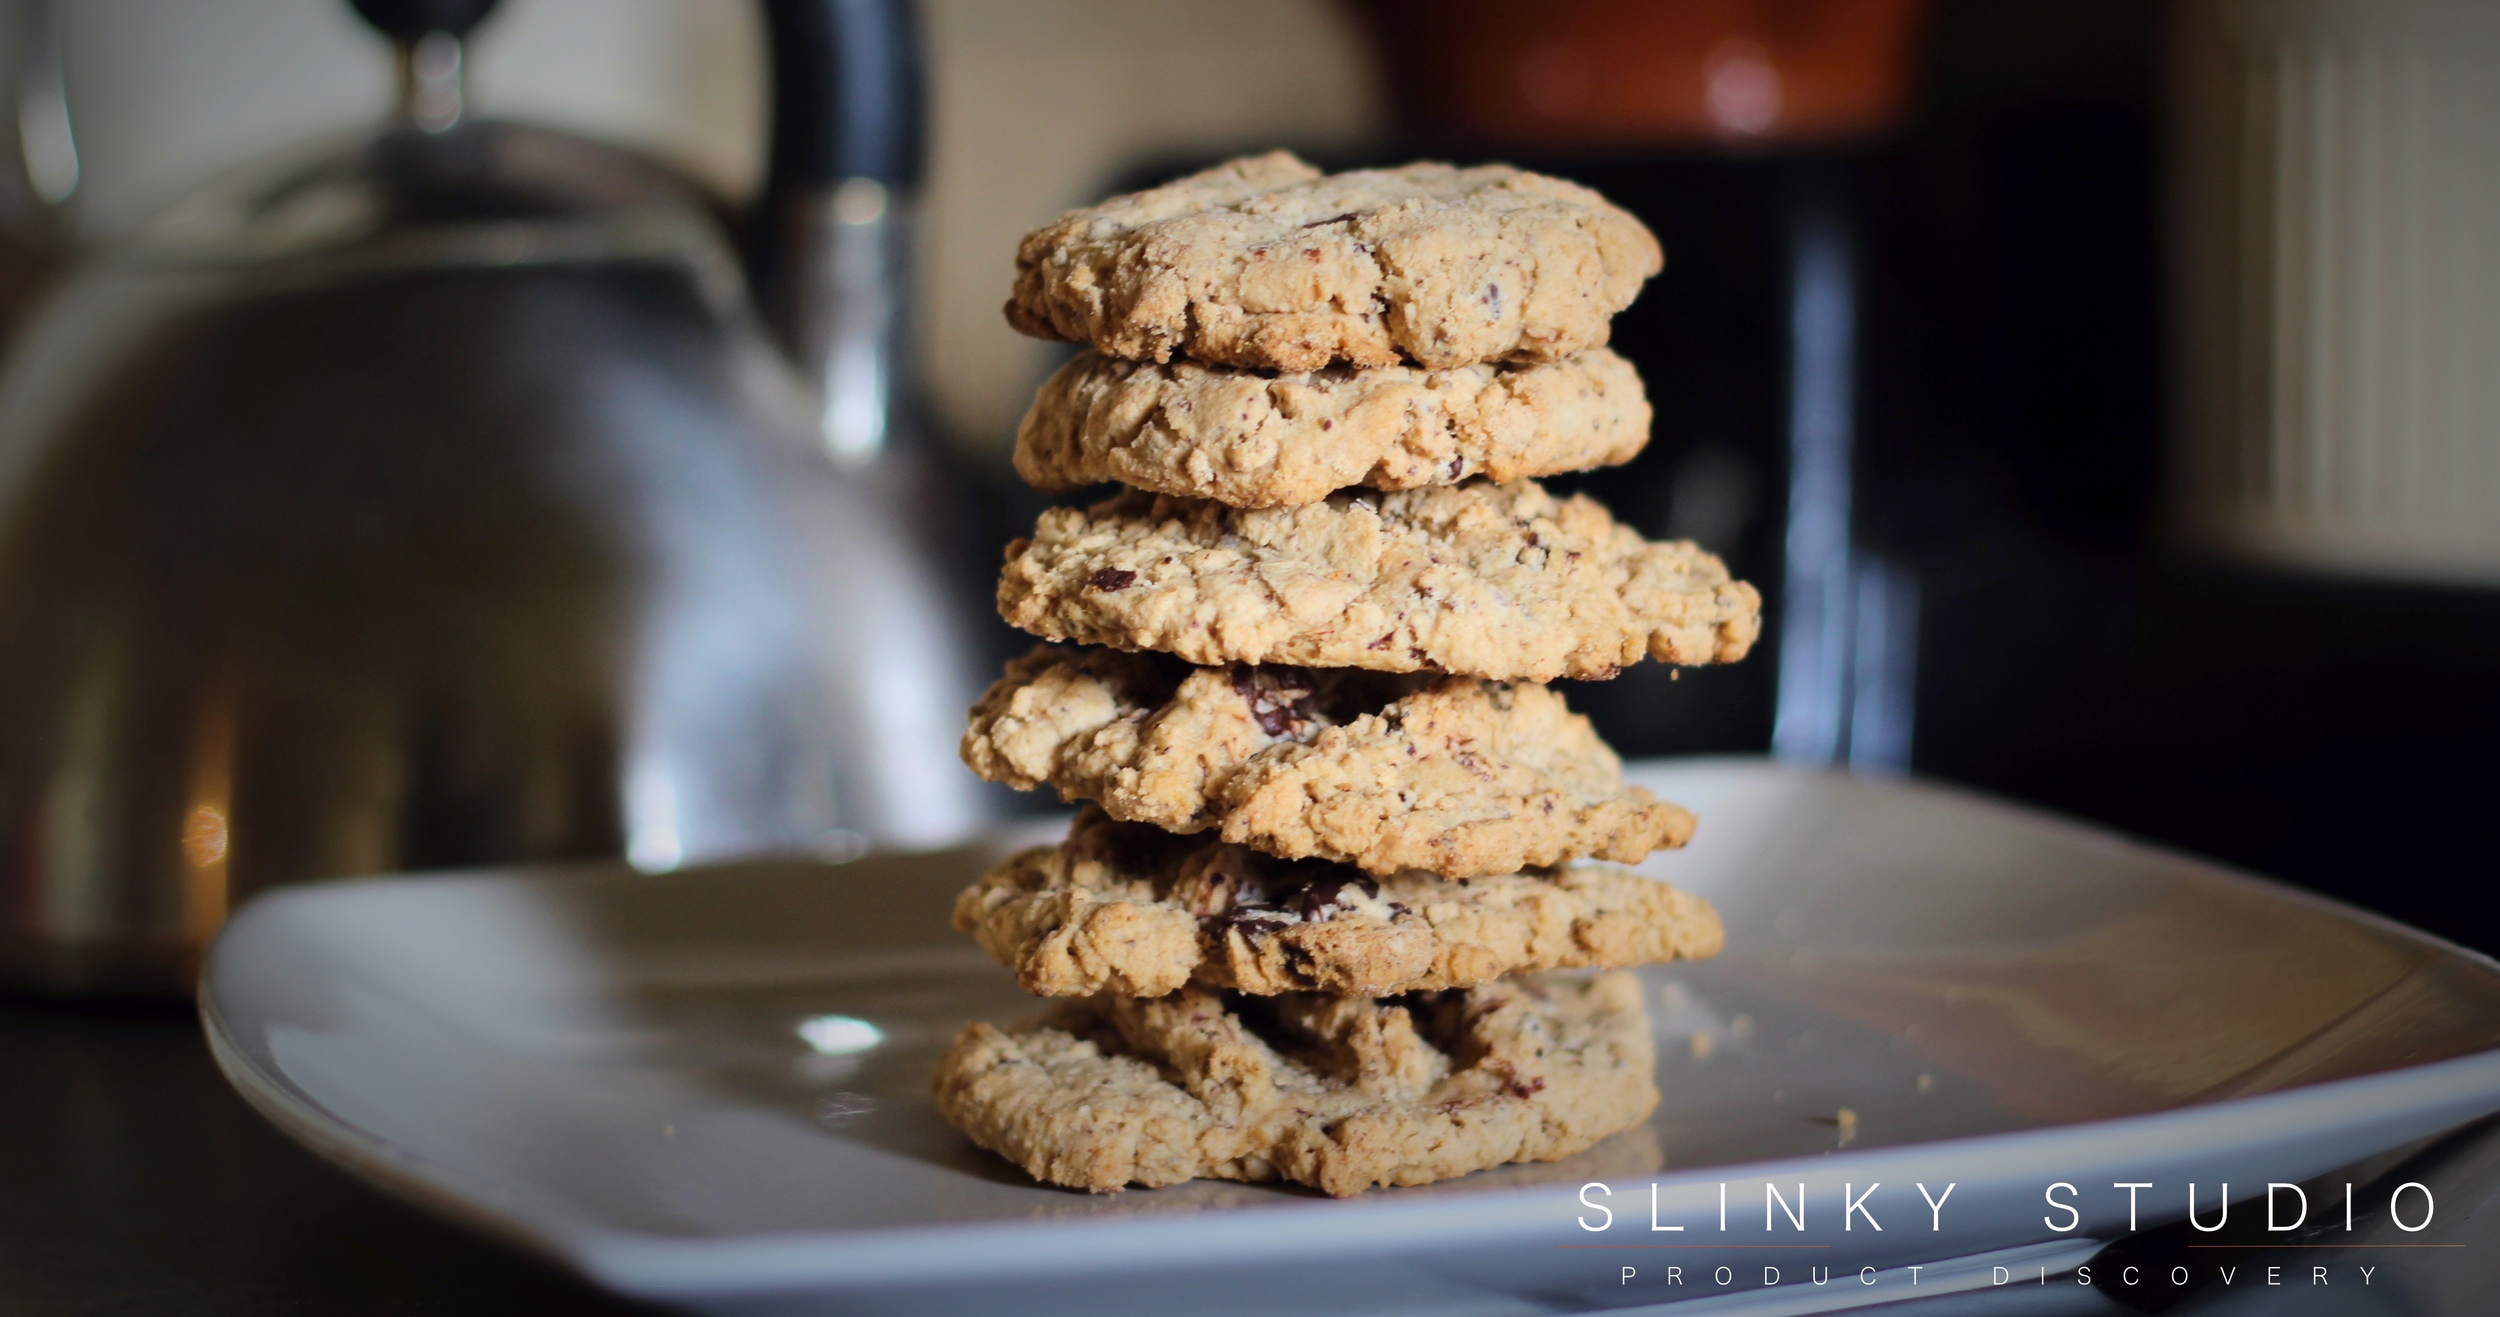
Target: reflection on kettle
[[440, 501]]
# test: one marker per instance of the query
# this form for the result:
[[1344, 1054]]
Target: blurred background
[[439, 433], [2098, 391]]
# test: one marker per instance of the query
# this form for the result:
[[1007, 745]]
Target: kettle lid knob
[[428, 34], [409, 21]]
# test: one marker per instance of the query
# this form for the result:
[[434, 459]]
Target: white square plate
[[616, 1071]]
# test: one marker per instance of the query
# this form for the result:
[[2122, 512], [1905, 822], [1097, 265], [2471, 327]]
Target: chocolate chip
[[1456, 465], [1318, 898], [1526, 1088], [1493, 300], [1250, 920], [1324, 893], [1279, 698], [1248, 904], [1112, 578]]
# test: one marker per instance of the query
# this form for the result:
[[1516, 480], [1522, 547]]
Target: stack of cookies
[[1335, 826]]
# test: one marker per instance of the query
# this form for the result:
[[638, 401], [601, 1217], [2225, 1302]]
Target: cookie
[[1258, 440], [1386, 772], [1266, 263], [1484, 580], [1128, 908], [1340, 1094]]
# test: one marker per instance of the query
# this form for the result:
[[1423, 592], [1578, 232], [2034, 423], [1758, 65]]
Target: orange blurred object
[[1579, 73]]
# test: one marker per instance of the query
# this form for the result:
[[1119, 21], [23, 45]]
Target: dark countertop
[[133, 1180]]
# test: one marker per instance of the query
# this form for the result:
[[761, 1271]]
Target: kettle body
[[438, 502]]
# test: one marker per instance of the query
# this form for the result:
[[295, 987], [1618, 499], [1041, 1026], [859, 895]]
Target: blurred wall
[[1036, 106], [2336, 169], [1039, 103]]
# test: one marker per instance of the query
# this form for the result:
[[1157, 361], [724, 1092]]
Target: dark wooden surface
[[133, 1180]]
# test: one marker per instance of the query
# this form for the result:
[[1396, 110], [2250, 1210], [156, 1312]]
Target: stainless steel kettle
[[443, 501]]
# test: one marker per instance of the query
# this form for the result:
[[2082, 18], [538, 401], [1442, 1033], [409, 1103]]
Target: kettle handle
[[831, 234], [846, 94]]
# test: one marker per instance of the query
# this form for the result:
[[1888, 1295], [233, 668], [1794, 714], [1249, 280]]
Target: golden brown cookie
[[1341, 1094], [1131, 909], [1499, 581], [1452, 775], [1257, 440], [1265, 262]]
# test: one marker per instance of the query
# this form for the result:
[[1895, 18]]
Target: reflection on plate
[[712, 1085]]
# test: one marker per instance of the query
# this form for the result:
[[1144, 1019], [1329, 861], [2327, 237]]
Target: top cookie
[[1265, 262]]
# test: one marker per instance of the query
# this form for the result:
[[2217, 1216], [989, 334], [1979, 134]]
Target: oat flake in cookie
[[1452, 775], [1258, 440], [1341, 1094], [1483, 580], [1265, 262]]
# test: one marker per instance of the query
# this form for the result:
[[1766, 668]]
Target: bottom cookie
[[1339, 1093]]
